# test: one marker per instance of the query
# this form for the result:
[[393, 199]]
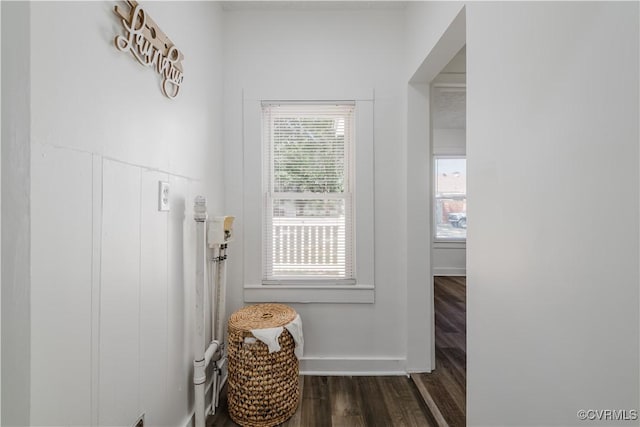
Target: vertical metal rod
[[199, 373], [214, 292], [222, 293], [214, 315]]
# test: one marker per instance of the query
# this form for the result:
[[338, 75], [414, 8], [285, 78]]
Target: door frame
[[420, 310]]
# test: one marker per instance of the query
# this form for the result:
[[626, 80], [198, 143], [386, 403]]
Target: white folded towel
[[295, 329], [270, 336]]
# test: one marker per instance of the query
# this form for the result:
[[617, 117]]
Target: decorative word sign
[[151, 47]]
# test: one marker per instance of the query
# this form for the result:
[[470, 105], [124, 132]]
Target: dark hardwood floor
[[444, 389], [350, 402]]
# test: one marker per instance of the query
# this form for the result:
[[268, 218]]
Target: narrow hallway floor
[[444, 389]]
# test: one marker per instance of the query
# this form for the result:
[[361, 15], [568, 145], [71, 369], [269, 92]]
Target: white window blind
[[308, 191]]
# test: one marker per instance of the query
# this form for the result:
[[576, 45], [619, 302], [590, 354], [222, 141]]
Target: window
[[450, 207], [308, 192]]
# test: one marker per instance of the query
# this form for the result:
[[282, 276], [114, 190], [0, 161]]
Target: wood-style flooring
[[444, 389], [350, 402]]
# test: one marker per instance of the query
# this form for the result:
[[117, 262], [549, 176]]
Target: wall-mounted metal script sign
[[151, 47]]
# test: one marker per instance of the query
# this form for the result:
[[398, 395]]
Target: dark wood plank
[[404, 408], [440, 391], [344, 402], [315, 405], [453, 381], [375, 413], [454, 359], [444, 389]]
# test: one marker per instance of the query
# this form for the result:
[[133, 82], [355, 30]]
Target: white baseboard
[[449, 271], [352, 366]]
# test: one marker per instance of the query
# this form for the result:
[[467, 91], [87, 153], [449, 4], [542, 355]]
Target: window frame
[[442, 242], [249, 191], [348, 196]]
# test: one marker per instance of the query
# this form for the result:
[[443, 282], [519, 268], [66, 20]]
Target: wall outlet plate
[[163, 196]]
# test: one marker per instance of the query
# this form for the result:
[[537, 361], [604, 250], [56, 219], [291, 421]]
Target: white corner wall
[[111, 301], [553, 323], [328, 51]]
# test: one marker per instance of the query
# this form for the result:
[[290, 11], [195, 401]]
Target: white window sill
[[325, 293], [449, 244], [306, 283]]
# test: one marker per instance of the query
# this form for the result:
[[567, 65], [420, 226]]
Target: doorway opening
[[444, 388]]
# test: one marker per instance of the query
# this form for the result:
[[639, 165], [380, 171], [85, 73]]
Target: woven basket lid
[[261, 316]]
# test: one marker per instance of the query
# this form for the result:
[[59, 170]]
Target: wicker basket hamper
[[262, 387]]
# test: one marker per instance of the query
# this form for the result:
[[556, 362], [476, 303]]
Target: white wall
[[328, 52], [552, 135], [15, 214], [111, 301], [0, 229]]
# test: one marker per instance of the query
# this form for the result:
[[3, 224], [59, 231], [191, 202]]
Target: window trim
[[249, 229], [443, 243]]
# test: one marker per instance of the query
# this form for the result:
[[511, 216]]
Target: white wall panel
[[179, 353], [16, 135], [153, 300], [96, 274], [61, 297], [120, 295]]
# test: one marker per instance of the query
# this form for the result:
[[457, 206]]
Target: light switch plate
[[163, 196]]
